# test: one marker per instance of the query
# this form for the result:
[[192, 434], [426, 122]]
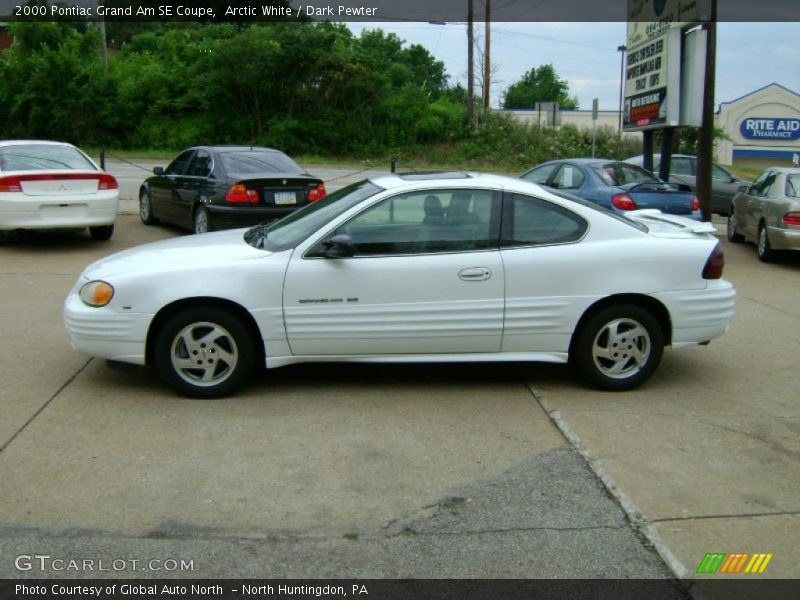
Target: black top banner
[[240, 11]]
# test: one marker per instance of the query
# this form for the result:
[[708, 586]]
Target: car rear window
[[623, 174], [248, 163], [42, 157]]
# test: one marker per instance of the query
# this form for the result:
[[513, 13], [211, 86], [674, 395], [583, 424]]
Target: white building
[[764, 127]]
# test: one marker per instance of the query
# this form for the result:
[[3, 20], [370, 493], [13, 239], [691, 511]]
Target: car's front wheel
[[101, 233], [204, 352], [619, 347]]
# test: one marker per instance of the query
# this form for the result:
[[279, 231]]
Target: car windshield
[[247, 163], [793, 186], [622, 174], [42, 157], [294, 228]]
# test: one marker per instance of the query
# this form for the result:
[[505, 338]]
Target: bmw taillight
[[715, 264], [10, 184], [695, 204], [623, 202], [238, 194], [791, 218], [316, 192]]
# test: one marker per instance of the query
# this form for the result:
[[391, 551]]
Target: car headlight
[[96, 293]]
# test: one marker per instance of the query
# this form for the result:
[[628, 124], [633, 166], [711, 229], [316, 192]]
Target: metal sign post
[[594, 124]]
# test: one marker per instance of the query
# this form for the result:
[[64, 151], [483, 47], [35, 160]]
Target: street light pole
[[487, 59], [470, 68], [621, 50], [705, 137]]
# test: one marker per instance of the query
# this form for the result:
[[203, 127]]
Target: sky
[[749, 55]]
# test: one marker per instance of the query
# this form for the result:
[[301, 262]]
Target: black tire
[[216, 340], [595, 340], [202, 220], [763, 247], [733, 236], [101, 233], [146, 208]]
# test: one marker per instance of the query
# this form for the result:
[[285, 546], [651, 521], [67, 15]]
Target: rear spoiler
[[653, 214]]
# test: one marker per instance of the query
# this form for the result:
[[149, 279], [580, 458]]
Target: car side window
[[425, 222], [720, 174], [539, 174], [568, 177], [680, 166], [769, 183], [792, 186], [180, 165], [758, 184], [532, 221], [201, 165]]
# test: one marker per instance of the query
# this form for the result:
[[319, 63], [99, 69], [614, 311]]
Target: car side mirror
[[339, 246], [158, 171], [743, 189]]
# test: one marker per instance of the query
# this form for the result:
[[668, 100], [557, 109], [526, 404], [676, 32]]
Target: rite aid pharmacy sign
[[759, 128]]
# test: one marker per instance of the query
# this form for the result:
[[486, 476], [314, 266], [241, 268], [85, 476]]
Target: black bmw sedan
[[222, 187]]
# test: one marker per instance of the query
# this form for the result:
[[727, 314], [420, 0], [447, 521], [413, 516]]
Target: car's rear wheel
[[101, 233], [765, 251], [619, 347], [733, 236], [204, 352], [146, 209], [202, 220]]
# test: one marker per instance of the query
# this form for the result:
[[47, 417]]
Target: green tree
[[540, 84]]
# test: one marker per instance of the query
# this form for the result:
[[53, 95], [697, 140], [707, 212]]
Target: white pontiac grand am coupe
[[420, 267]]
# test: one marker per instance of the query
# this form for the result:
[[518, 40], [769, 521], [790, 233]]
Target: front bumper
[[104, 332]]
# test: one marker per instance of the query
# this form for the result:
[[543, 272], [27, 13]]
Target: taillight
[[107, 182], [791, 218], [623, 202], [316, 193], [695, 204], [714, 264], [10, 184], [239, 193]]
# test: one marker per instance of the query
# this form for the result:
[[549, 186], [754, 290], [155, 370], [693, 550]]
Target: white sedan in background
[[447, 267], [53, 185]]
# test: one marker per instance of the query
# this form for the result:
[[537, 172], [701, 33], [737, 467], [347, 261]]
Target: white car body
[[55, 198], [518, 303]]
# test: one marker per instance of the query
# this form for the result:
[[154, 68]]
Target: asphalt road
[[401, 471]]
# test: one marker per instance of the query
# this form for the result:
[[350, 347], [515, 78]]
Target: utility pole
[[487, 58], [621, 49], [705, 138], [102, 24], [470, 68]]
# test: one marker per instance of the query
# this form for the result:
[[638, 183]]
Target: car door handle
[[474, 274]]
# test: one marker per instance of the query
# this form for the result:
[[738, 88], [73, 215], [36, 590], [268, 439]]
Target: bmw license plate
[[285, 198]]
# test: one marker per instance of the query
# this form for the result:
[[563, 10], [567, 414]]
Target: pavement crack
[[45, 405], [411, 531], [728, 516], [774, 446]]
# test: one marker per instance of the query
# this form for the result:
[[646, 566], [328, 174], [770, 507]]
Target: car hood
[[183, 253]]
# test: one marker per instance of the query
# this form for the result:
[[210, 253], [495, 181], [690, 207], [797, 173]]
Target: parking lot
[[403, 471]]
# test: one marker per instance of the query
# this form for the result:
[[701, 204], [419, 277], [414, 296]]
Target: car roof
[[237, 148], [787, 170], [460, 179], [23, 142]]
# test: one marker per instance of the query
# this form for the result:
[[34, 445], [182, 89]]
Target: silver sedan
[[768, 212]]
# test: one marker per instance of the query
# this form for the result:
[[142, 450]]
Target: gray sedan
[[768, 212], [683, 169]]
